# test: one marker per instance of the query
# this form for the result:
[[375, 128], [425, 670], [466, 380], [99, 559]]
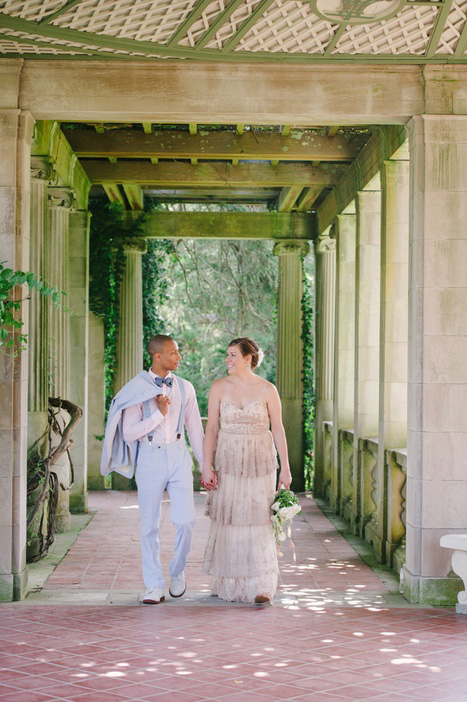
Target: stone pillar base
[[419, 589], [292, 417], [461, 608], [79, 503], [14, 587]]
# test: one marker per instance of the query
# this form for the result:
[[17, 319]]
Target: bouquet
[[284, 509]]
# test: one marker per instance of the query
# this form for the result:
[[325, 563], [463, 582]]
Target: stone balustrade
[[396, 478]]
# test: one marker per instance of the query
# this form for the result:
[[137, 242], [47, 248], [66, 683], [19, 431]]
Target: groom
[[145, 428]]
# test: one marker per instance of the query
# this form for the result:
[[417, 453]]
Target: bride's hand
[[208, 479], [285, 478]]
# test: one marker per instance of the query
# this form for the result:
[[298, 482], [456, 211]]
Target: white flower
[[289, 512]]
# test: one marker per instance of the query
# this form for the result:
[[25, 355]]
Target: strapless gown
[[241, 553]]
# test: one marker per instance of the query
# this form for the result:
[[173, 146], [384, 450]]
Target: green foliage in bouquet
[[12, 340], [308, 378]]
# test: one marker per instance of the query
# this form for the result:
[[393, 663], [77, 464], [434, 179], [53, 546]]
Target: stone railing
[[327, 459], [373, 503], [346, 472], [396, 475], [367, 493]]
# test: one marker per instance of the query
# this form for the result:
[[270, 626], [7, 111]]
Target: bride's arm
[[278, 432], [208, 476]]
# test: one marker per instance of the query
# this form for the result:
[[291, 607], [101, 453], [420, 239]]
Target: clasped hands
[[208, 479]]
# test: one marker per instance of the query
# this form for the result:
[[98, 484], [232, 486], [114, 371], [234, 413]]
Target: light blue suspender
[[181, 418]]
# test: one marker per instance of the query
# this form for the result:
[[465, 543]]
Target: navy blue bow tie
[[159, 381]]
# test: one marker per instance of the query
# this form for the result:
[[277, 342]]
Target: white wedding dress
[[241, 553]]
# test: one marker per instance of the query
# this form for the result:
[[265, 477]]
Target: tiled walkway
[[335, 633]]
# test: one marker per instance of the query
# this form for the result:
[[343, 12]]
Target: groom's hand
[[163, 403]]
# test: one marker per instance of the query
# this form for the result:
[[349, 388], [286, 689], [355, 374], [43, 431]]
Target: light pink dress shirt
[[164, 428]]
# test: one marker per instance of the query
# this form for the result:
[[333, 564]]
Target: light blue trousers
[[161, 467]]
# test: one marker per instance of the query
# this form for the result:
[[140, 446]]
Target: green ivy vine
[[308, 379], [12, 340]]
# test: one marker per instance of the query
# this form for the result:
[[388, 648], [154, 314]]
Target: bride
[[239, 471]]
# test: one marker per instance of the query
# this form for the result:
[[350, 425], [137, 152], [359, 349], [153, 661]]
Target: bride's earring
[[247, 367]]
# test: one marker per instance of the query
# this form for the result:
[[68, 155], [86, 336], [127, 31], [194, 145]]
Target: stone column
[[60, 203], [96, 400], [325, 248], [130, 336], [393, 327], [79, 351], [367, 294], [289, 364], [42, 173], [15, 182], [437, 375], [344, 350]]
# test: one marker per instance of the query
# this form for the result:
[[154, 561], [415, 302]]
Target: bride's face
[[235, 361]]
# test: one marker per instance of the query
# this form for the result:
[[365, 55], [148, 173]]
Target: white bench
[[458, 542]]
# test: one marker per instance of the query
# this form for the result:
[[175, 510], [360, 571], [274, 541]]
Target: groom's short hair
[[156, 343]]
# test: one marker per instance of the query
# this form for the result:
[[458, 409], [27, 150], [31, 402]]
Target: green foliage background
[[308, 369]]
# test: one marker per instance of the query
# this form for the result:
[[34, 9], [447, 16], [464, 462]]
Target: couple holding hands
[[146, 430]]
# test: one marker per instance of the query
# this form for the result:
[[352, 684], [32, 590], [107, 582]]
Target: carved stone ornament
[[42, 168], [59, 196], [135, 246], [325, 244], [291, 248], [357, 11]]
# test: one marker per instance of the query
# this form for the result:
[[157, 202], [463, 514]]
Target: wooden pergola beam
[[305, 146], [382, 145], [288, 197], [134, 195], [276, 226], [307, 198], [113, 192], [212, 174]]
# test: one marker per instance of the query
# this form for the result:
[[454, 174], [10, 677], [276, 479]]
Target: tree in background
[[219, 290]]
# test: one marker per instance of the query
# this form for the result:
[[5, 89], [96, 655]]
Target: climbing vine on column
[[308, 375]]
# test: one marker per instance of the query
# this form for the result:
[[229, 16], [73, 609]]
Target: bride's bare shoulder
[[219, 384]]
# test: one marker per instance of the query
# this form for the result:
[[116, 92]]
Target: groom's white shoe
[[154, 596], [177, 585]]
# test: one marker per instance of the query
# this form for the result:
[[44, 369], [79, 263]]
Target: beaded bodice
[[252, 419]]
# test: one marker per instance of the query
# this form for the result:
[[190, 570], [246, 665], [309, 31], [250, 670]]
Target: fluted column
[[130, 336], [344, 350], [15, 182], [79, 351], [367, 313], [289, 364], [393, 325], [42, 173], [325, 248], [60, 202]]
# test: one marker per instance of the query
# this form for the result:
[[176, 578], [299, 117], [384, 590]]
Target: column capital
[[326, 242], [135, 246], [42, 168], [59, 196], [292, 247]]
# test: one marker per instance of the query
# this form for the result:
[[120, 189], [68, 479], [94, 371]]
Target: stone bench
[[458, 542]]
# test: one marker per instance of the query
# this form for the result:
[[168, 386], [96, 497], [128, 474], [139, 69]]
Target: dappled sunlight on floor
[[334, 633]]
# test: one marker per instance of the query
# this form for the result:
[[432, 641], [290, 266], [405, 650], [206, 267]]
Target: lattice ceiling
[[229, 30]]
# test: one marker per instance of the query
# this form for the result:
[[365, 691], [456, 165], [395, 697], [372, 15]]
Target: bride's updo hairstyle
[[249, 347]]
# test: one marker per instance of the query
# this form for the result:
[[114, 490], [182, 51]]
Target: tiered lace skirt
[[241, 554]]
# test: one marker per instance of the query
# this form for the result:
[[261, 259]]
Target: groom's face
[[169, 357]]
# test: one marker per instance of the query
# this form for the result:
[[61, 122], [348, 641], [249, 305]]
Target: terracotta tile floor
[[335, 632]]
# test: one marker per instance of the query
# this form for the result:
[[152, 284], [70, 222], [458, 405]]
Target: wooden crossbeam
[[304, 146], [288, 197], [193, 128], [215, 174], [134, 196], [225, 225], [308, 198], [200, 194], [113, 192], [147, 127]]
